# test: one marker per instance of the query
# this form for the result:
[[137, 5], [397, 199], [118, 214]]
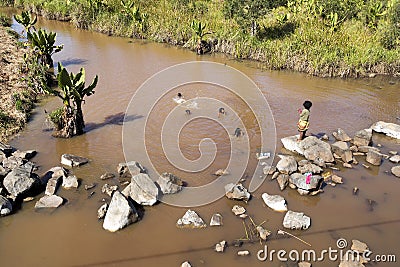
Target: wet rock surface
[[120, 213], [142, 190], [191, 219], [72, 160], [296, 220]]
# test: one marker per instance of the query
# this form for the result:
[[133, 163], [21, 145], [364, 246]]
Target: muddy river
[[72, 236]]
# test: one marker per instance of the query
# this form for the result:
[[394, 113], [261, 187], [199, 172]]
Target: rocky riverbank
[[15, 97]]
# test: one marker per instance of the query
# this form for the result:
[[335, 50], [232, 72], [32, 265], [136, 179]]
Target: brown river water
[[72, 236]]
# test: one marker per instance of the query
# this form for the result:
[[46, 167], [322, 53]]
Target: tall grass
[[320, 37]]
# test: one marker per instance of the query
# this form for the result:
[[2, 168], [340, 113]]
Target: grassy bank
[[349, 38], [17, 82]]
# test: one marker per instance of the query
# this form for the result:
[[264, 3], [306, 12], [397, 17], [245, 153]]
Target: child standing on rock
[[303, 123]]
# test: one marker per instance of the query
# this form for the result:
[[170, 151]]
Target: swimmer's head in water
[[179, 95]]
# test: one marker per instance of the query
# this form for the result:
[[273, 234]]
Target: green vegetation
[[43, 46], [321, 37], [4, 20], [26, 20], [71, 91]]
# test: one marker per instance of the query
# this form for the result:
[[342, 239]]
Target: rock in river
[[396, 171], [363, 137], [142, 190], [237, 191], [300, 181], [311, 148], [52, 201], [5, 206], [129, 169], [287, 164], [216, 220], [120, 213], [21, 179], [390, 129], [73, 161], [191, 219], [296, 220], [275, 202], [169, 183], [373, 157], [341, 135], [70, 181]]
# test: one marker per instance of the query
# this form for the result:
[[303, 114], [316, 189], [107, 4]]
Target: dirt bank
[[12, 85]]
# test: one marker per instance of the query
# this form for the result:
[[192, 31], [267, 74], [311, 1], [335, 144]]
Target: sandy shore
[[11, 83]]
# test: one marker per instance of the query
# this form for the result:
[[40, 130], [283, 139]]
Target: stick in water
[[281, 232]]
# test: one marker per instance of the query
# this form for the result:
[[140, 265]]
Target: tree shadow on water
[[116, 119], [73, 61]]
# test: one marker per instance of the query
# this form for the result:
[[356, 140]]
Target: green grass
[[301, 36]]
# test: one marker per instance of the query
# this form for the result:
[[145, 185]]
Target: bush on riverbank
[[348, 38]]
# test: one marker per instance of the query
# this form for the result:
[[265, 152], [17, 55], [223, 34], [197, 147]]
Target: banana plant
[[199, 30], [42, 43], [73, 89], [26, 19]]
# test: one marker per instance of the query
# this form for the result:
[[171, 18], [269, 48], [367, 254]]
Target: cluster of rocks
[[140, 191], [307, 176], [19, 182]]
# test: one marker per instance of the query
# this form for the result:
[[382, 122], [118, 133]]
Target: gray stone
[[169, 183], [395, 158], [362, 137], [120, 213], [52, 179], [341, 135], [28, 154], [350, 263], [191, 219], [70, 182], [5, 206], [72, 160], [342, 149], [109, 189], [390, 129], [304, 264], [3, 171], [374, 158], [396, 171], [275, 202], [283, 181], [186, 264], [12, 162], [237, 192], [299, 180], [287, 164], [129, 169], [216, 220], [142, 190], [275, 175], [52, 201], [309, 167], [221, 172], [6, 149], [101, 212], [337, 179], [262, 233], [243, 253], [365, 149], [296, 220], [358, 246], [238, 210], [106, 176], [220, 247], [21, 180]]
